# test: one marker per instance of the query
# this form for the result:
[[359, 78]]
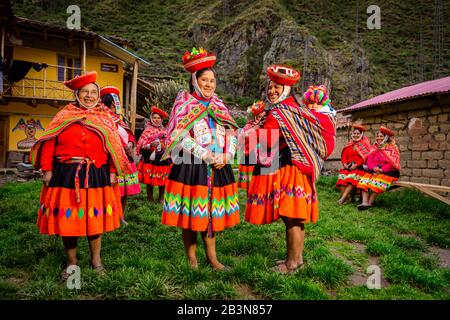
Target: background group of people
[[87, 158], [368, 169]]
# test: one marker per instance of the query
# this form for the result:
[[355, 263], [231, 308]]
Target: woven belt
[[80, 162]]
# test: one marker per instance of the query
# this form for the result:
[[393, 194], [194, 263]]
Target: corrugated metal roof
[[421, 89], [105, 44]]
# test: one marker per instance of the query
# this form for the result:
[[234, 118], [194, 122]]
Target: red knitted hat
[[198, 59], [162, 113], [387, 131], [80, 81], [359, 127], [258, 107], [283, 75], [109, 90]]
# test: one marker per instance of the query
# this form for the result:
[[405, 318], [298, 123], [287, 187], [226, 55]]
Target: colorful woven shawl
[[118, 119], [390, 152], [362, 147], [187, 110], [96, 119], [310, 135], [150, 134]]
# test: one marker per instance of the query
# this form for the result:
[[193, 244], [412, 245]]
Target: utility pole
[[438, 38], [305, 64]]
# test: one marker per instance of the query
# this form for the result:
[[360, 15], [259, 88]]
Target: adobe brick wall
[[423, 137]]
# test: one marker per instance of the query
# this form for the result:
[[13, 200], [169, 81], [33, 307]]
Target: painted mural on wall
[[29, 127]]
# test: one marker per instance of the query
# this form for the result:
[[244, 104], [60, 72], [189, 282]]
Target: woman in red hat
[[293, 144], [152, 170], [129, 184], [353, 157], [80, 154], [201, 193], [382, 169], [256, 112]]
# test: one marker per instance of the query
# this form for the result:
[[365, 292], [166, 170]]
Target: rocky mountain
[[328, 41]]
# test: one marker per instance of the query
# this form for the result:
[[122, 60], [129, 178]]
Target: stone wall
[[333, 162], [423, 137]]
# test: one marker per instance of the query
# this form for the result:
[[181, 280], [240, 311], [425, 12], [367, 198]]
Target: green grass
[[146, 259]]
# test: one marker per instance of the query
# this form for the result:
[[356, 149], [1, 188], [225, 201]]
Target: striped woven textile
[[310, 135]]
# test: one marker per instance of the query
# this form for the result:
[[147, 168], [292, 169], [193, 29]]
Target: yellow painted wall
[[106, 78], [51, 58], [43, 112]]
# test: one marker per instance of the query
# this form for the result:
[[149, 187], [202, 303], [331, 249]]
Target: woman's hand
[[208, 157], [221, 160], [377, 170], [129, 149], [47, 177], [113, 178]]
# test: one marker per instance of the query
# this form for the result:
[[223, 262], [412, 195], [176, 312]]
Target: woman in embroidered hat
[[80, 154], [293, 144], [129, 183], [152, 170], [353, 157], [256, 113], [201, 193], [382, 168]]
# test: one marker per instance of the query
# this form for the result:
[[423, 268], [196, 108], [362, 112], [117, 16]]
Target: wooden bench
[[428, 189]]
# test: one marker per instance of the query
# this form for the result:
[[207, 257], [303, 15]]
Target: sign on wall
[[109, 67]]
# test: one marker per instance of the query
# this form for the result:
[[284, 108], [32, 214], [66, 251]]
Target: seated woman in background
[[382, 168], [353, 157]]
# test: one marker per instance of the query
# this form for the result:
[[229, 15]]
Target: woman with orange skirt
[[382, 168], [129, 184], [256, 111], [80, 154], [353, 157], [153, 171], [292, 145], [201, 193]]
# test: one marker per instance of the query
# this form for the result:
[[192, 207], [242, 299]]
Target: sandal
[[362, 207], [65, 274], [283, 269], [278, 262], [224, 269], [100, 269]]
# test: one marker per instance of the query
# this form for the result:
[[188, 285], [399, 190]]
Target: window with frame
[[68, 67]]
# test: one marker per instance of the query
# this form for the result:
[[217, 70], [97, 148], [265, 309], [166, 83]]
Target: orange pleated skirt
[[287, 193], [98, 211]]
